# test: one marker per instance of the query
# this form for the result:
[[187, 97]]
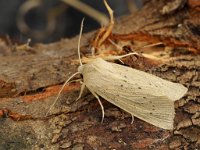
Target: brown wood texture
[[30, 78]]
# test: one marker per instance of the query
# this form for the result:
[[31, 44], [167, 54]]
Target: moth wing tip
[[183, 91]]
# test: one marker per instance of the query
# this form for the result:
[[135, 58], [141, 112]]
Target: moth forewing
[[151, 83], [145, 96]]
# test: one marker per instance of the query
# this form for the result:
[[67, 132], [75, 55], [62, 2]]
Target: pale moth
[[141, 94]]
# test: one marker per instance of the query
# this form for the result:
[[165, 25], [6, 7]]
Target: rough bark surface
[[31, 77]]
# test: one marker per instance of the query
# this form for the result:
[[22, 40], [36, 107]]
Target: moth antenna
[[60, 92], [79, 42], [134, 53], [118, 57], [151, 45]]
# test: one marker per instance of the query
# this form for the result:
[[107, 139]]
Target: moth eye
[[153, 105], [144, 97], [121, 85], [139, 88], [150, 113]]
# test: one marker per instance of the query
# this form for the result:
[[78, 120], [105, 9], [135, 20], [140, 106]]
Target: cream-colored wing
[[156, 110], [152, 83], [140, 81], [143, 95]]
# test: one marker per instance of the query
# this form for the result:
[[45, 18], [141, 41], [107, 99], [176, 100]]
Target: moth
[[141, 94]]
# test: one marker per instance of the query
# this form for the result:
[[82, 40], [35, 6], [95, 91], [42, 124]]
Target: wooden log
[[30, 79]]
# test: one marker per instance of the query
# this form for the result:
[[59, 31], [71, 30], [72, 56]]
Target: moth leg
[[81, 91], [132, 120], [102, 108], [75, 80], [93, 51], [121, 61]]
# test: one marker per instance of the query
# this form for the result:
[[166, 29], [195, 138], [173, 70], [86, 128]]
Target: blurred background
[[50, 20]]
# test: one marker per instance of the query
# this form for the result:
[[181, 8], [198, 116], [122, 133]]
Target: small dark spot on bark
[[195, 29], [41, 145]]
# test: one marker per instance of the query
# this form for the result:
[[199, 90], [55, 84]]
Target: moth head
[[80, 69]]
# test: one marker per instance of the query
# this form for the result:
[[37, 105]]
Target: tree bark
[[31, 77]]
